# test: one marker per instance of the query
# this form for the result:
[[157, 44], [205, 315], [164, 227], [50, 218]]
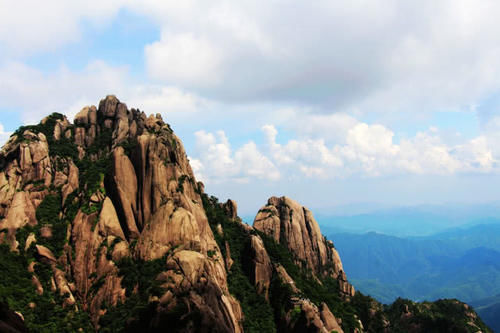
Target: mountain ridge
[[104, 220]]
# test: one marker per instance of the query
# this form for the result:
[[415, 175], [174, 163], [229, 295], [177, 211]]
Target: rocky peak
[[293, 225], [231, 208], [110, 231], [115, 179]]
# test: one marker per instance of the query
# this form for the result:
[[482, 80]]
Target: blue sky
[[335, 103]]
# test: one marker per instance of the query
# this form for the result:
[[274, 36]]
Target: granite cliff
[[103, 227]]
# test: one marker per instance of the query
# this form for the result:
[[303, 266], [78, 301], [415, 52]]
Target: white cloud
[[198, 169], [163, 99], [368, 150], [431, 54], [4, 136], [219, 163], [371, 139], [183, 58], [38, 94], [66, 91], [330, 127], [254, 164], [30, 26], [300, 58]]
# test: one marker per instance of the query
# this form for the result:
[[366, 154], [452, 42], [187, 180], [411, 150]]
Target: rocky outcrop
[[125, 185], [293, 225], [189, 270], [231, 208], [311, 318], [261, 264], [329, 320], [127, 191]]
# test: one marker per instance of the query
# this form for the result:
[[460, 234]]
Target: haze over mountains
[[461, 263], [407, 221]]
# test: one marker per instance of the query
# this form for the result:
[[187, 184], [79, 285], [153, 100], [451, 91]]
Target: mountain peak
[[294, 226], [103, 227]]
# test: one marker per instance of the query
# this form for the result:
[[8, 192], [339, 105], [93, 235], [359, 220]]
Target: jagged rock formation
[[126, 190], [261, 264], [103, 227], [294, 226]]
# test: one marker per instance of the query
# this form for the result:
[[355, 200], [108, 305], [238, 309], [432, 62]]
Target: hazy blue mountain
[[425, 220], [489, 310], [485, 235], [448, 266]]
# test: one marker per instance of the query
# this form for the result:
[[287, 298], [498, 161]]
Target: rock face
[[231, 208], [294, 226], [262, 268], [312, 319]]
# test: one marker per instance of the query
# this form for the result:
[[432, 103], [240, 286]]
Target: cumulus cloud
[[216, 160], [4, 136], [342, 56], [183, 58], [368, 150], [37, 94], [301, 58], [30, 26], [162, 99]]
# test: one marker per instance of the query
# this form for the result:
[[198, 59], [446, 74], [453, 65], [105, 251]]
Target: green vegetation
[[63, 147], [439, 316], [18, 292], [365, 307], [180, 184], [260, 316], [258, 313], [136, 312], [47, 215], [327, 291], [129, 145]]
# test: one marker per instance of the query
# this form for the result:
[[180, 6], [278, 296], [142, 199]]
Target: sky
[[332, 103]]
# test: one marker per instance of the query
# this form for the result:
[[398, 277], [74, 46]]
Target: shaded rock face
[[231, 209], [294, 225], [143, 203], [306, 316], [312, 318], [11, 322], [262, 267]]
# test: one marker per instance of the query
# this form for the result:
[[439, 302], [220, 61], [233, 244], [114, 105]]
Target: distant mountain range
[[489, 310], [411, 221], [462, 263]]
